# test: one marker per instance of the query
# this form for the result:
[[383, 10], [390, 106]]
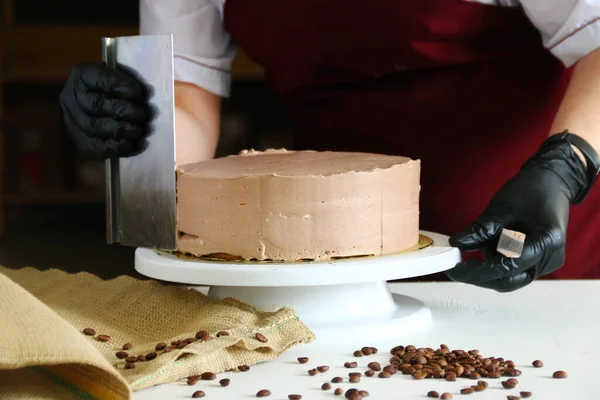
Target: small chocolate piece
[[103, 338], [263, 393], [323, 368], [261, 338], [121, 355], [302, 360], [198, 394], [433, 394], [127, 346], [537, 364], [89, 331], [224, 382], [326, 386], [559, 375]]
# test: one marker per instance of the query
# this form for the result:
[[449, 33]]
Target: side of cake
[[286, 206]]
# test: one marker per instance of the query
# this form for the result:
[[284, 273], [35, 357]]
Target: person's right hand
[[105, 111]]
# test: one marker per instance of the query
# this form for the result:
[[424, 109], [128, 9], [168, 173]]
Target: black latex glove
[[536, 202], [105, 111]]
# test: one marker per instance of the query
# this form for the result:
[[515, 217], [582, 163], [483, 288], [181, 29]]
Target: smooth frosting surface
[[284, 205]]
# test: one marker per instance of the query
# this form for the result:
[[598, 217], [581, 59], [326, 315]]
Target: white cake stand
[[341, 301]]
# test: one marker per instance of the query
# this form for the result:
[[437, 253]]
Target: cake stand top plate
[[437, 256]]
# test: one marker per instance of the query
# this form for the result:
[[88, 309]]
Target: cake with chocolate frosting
[[298, 205]]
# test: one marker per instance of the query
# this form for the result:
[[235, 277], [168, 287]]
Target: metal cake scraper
[[141, 202]]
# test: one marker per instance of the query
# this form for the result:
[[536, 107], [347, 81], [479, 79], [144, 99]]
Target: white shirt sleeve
[[203, 50], [569, 28]]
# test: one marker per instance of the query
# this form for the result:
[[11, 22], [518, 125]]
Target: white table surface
[[557, 322]]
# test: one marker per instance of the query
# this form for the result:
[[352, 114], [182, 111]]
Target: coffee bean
[[374, 350], [222, 333], [369, 373], [224, 382], [358, 353], [446, 396], [127, 346], [512, 381], [121, 355], [366, 351], [363, 393], [475, 376], [182, 345], [478, 388], [244, 368], [160, 346], [375, 366], [450, 376], [176, 343], [323, 368], [89, 331], [190, 340], [482, 383], [129, 365], [103, 338], [384, 374], [433, 394], [420, 360], [392, 369], [198, 394], [559, 375], [263, 393], [199, 335], [508, 385], [170, 348], [302, 360], [207, 338], [325, 386], [141, 357], [494, 375], [512, 397], [537, 364], [208, 376], [351, 374], [131, 359], [352, 364], [419, 375], [337, 379], [192, 380], [312, 372], [151, 356], [525, 395], [294, 396], [352, 393], [261, 338], [338, 391], [467, 391], [354, 379]]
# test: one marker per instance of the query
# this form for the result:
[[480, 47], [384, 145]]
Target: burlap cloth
[[45, 355]]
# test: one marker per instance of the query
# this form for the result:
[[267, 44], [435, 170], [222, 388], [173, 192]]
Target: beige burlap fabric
[[45, 355]]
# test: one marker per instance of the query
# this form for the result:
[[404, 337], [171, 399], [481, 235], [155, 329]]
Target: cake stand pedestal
[[341, 301]]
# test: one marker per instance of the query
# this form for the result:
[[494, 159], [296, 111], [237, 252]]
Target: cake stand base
[[341, 301]]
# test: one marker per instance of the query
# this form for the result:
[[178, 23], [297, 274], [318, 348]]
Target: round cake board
[[341, 301]]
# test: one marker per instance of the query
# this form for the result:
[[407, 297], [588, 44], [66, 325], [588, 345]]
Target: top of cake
[[282, 162]]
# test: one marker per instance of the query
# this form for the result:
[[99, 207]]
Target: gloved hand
[[105, 111], [536, 202]]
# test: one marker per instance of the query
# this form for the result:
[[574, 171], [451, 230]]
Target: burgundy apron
[[466, 88]]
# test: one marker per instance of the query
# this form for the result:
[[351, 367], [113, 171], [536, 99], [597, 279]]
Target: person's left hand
[[536, 202]]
